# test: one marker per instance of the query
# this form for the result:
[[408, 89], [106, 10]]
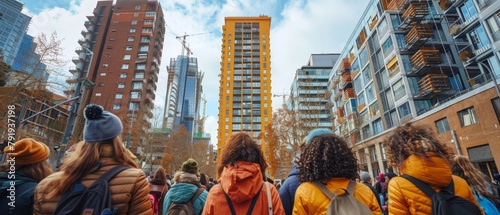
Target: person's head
[[462, 167], [203, 179], [389, 176], [327, 156], [241, 147], [381, 177], [365, 176], [409, 140], [30, 158], [211, 180], [189, 173], [307, 139], [160, 176], [101, 139]]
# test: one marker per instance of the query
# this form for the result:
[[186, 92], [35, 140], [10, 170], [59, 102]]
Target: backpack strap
[[196, 194], [108, 175], [428, 189], [324, 189], [269, 199], [351, 187], [252, 204]]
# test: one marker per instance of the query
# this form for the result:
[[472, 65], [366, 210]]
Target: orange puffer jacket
[[406, 198], [309, 199]]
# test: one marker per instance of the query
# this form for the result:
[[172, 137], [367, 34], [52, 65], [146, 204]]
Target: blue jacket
[[182, 192], [287, 190], [23, 193]]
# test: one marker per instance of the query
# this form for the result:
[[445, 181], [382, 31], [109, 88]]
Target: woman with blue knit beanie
[[101, 151]]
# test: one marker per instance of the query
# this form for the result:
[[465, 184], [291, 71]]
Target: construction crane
[[284, 98], [182, 39]]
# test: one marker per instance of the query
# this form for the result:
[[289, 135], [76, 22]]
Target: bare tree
[[178, 149]]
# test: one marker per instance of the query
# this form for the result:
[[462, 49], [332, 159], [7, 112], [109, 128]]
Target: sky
[[299, 28]]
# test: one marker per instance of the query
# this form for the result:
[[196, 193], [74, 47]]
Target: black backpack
[[445, 202], [184, 208], [95, 200]]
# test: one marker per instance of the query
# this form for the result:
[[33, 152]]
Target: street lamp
[[73, 109]]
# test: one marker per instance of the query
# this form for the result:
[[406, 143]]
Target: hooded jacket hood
[[241, 181], [426, 170]]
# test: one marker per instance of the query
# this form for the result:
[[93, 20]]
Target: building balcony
[[417, 36], [415, 12], [82, 41], [84, 33], [87, 24], [433, 84], [76, 69], [485, 4], [425, 56], [78, 50], [460, 28]]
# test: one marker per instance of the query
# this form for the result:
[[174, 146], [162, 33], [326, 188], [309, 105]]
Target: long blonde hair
[[463, 168], [84, 159]]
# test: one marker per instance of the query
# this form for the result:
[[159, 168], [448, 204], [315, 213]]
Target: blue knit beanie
[[100, 125], [316, 132]]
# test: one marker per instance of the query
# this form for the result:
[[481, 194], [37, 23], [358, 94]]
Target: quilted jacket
[[310, 200], [406, 198], [129, 190]]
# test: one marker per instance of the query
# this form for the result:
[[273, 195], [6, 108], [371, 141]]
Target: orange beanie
[[27, 151]]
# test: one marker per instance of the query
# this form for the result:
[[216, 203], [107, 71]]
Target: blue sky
[[299, 28]]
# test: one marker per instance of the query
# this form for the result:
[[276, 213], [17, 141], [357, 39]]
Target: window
[[119, 95], [136, 14], [148, 22], [399, 90], [128, 48], [142, 55], [126, 57], [123, 75], [103, 74], [363, 57], [442, 125], [137, 7], [150, 13], [136, 85], [135, 95], [125, 66], [144, 48], [111, 39], [393, 67], [133, 106], [468, 9], [366, 132], [404, 110], [121, 85], [100, 84], [130, 39], [387, 46], [140, 66], [479, 37], [134, 22], [377, 127], [147, 30], [139, 75], [116, 106], [98, 94], [132, 30], [104, 65], [467, 117], [494, 25]]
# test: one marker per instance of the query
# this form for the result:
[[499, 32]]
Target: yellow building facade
[[245, 78]]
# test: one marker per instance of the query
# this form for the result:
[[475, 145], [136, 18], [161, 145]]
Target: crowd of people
[[325, 178]]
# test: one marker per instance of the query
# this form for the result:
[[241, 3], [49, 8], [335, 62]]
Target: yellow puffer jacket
[[310, 200], [406, 198], [129, 190]]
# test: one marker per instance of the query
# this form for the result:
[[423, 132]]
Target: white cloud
[[306, 27]]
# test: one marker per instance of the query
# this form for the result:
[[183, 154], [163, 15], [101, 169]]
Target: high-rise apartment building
[[29, 62], [183, 94], [309, 94], [121, 55], [245, 77], [405, 62], [13, 26]]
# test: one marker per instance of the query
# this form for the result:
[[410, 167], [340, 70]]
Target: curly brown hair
[[327, 156], [241, 147], [409, 140]]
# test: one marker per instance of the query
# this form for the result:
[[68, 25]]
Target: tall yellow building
[[245, 77]]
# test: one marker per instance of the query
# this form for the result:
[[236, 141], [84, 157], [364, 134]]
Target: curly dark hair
[[327, 156], [409, 140], [241, 147]]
